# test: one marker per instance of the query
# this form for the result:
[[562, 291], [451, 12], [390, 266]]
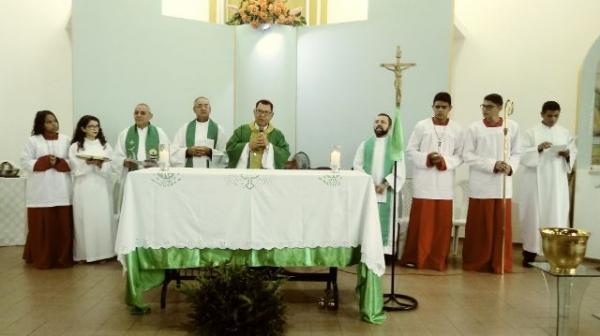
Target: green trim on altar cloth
[[388, 165], [145, 269]]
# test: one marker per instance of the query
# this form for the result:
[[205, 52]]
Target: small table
[[569, 294], [13, 212]]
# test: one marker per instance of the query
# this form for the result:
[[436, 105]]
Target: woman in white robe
[[95, 228]]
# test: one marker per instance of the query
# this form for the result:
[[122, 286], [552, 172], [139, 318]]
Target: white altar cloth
[[250, 209]]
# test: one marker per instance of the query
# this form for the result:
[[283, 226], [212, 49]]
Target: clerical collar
[[488, 123], [438, 122], [50, 136]]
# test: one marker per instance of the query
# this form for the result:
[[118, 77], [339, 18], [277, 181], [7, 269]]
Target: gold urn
[[564, 248]]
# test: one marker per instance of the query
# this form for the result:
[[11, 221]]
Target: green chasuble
[[242, 135], [132, 143], [190, 137], [388, 165]]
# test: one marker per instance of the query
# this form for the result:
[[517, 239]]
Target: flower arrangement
[[265, 12]]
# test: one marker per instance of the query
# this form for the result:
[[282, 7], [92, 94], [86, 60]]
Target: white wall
[[35, 69], [529, 52], [265, 67], [126, 52], [587, 187], [341, 86]]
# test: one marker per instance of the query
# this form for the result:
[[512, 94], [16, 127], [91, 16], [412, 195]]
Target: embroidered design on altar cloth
[[331, 180], [166, 179], [248, 182]]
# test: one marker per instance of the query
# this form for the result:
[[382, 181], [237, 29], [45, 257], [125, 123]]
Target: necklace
[[439, 136]]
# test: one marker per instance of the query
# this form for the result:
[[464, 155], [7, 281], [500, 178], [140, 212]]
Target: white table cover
[[250, 209], [13, 212]]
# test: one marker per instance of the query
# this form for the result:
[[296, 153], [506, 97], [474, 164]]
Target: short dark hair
[[494, 98], [264, 102], [444, 97], [40, 119], [386, 115], [550, 105]]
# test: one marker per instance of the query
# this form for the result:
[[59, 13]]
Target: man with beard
[[435, 149], [373, 157]]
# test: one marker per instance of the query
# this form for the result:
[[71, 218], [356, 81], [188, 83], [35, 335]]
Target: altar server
[[483, 151], [549, 155], [434, 149], [49, 214], [95, 229]]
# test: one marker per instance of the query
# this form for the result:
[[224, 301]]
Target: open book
[[93, 157]]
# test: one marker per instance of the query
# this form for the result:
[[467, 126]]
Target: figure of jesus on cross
[[397, 68]]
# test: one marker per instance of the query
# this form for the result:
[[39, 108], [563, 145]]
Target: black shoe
[[528, 257]]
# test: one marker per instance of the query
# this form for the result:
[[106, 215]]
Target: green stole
[[190, 137], [384, 208], [255, 157], [132, 143]]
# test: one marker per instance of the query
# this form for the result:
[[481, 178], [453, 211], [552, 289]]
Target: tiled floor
[[88, 300]]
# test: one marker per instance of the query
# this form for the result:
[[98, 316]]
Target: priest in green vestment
[[258, 145], [373, 158], [200, 143], [137, 145]]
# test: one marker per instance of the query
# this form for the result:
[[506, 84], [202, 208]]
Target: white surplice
[[219, 155], [47, 188], [544, 189], [483, 147], [429, 182], [378, 176], [95, 227]]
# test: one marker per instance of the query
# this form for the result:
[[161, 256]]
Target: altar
[[190, 218]]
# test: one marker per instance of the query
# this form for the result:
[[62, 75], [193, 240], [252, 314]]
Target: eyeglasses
[[487, 106], [262, 112]]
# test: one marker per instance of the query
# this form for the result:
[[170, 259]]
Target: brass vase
[[564, 248]]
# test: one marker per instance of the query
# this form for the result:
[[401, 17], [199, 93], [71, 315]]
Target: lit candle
[[335, 158], [163, 156]]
